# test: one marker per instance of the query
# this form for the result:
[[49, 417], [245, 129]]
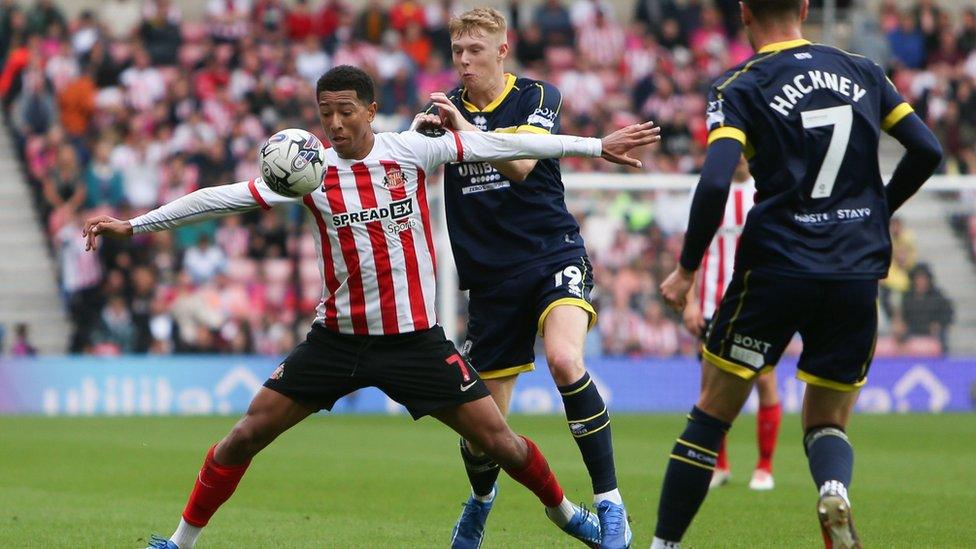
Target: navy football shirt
[[499, 228], [810, 117]]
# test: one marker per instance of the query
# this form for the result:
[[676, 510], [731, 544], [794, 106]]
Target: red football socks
[[767, 429], [213, 487], [536, 476], [722, 463]]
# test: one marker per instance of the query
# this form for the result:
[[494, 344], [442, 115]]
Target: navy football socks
[[589, 422], [830, 455], [688, 474]]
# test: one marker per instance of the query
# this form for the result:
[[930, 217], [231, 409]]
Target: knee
[[504, 447], [245, 440], [566, 366]]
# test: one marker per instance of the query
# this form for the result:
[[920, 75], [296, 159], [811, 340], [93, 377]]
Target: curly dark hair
[[347, 77]]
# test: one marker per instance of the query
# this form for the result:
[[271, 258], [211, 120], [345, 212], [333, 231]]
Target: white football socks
[[613, 496], [560, 515], [185, 535], [659, 543]]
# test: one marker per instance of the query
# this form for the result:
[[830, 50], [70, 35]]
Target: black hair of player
[[347, 77], [772, 10]]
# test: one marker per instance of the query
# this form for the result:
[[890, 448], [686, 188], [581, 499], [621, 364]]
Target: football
[[292, 162]]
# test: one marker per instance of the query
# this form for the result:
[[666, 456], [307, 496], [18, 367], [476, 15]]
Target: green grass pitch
[[387, 482]]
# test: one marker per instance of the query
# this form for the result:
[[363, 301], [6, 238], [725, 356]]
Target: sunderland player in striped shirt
[[376, 324], [703, 298], [519, 252], [809, 118]]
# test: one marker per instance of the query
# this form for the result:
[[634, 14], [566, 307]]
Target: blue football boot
[[157, 542], [469, 531], [614, 525], [584, 526]]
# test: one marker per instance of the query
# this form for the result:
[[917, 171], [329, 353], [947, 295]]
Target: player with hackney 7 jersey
[[520, 254], [376, 324], [809, 118]]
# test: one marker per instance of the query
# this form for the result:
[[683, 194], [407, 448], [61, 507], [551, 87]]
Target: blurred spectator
[[404, 13], [657, 335], [103, 181], [115, 333], [925, 310], [64, 186], [601, 40], [584, 13], [42, 15], [300, 21], [160, 33], [204, 261], [21, 345], [907, 42], [372, 22], [34, 111], [77, 104], [228, 19], [554, 22]]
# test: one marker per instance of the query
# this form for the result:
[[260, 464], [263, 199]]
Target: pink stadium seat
[[886, 347], [559, 59], [310, 273], [922, 346], [307, 246], [277, 270], [242, 269]]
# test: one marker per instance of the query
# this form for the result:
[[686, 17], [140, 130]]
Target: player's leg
[[318, 371], [269, 414], [838, 343], [564, 330], [424, 372], [767, 430], [722, 473], [482, 423], [481, 469], [693, 457], [499, 345], [831, 458], [751, 328]]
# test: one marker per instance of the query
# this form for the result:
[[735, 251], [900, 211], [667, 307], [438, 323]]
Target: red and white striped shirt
[[716, 267], [376, 251]]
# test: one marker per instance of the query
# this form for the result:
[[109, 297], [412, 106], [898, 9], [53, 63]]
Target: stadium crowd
[[125, 108]]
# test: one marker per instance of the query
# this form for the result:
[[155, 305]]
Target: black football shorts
[[836, 319], [421, 370], [503, 320]]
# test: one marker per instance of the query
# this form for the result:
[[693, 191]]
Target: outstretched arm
[[704, 219], [492, 146], [456, 146], [197, 206]]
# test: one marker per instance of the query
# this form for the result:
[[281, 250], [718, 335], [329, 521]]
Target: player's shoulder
[[530, 88], [740, 76], [857, 60]]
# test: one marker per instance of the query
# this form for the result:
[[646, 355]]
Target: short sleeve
[[893, 106], [724, 114], [539, 109]]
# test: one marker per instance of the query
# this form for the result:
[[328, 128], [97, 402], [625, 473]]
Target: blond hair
[[487, 20]]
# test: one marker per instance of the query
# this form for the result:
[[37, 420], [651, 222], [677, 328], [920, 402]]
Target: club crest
[[394, 179]]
